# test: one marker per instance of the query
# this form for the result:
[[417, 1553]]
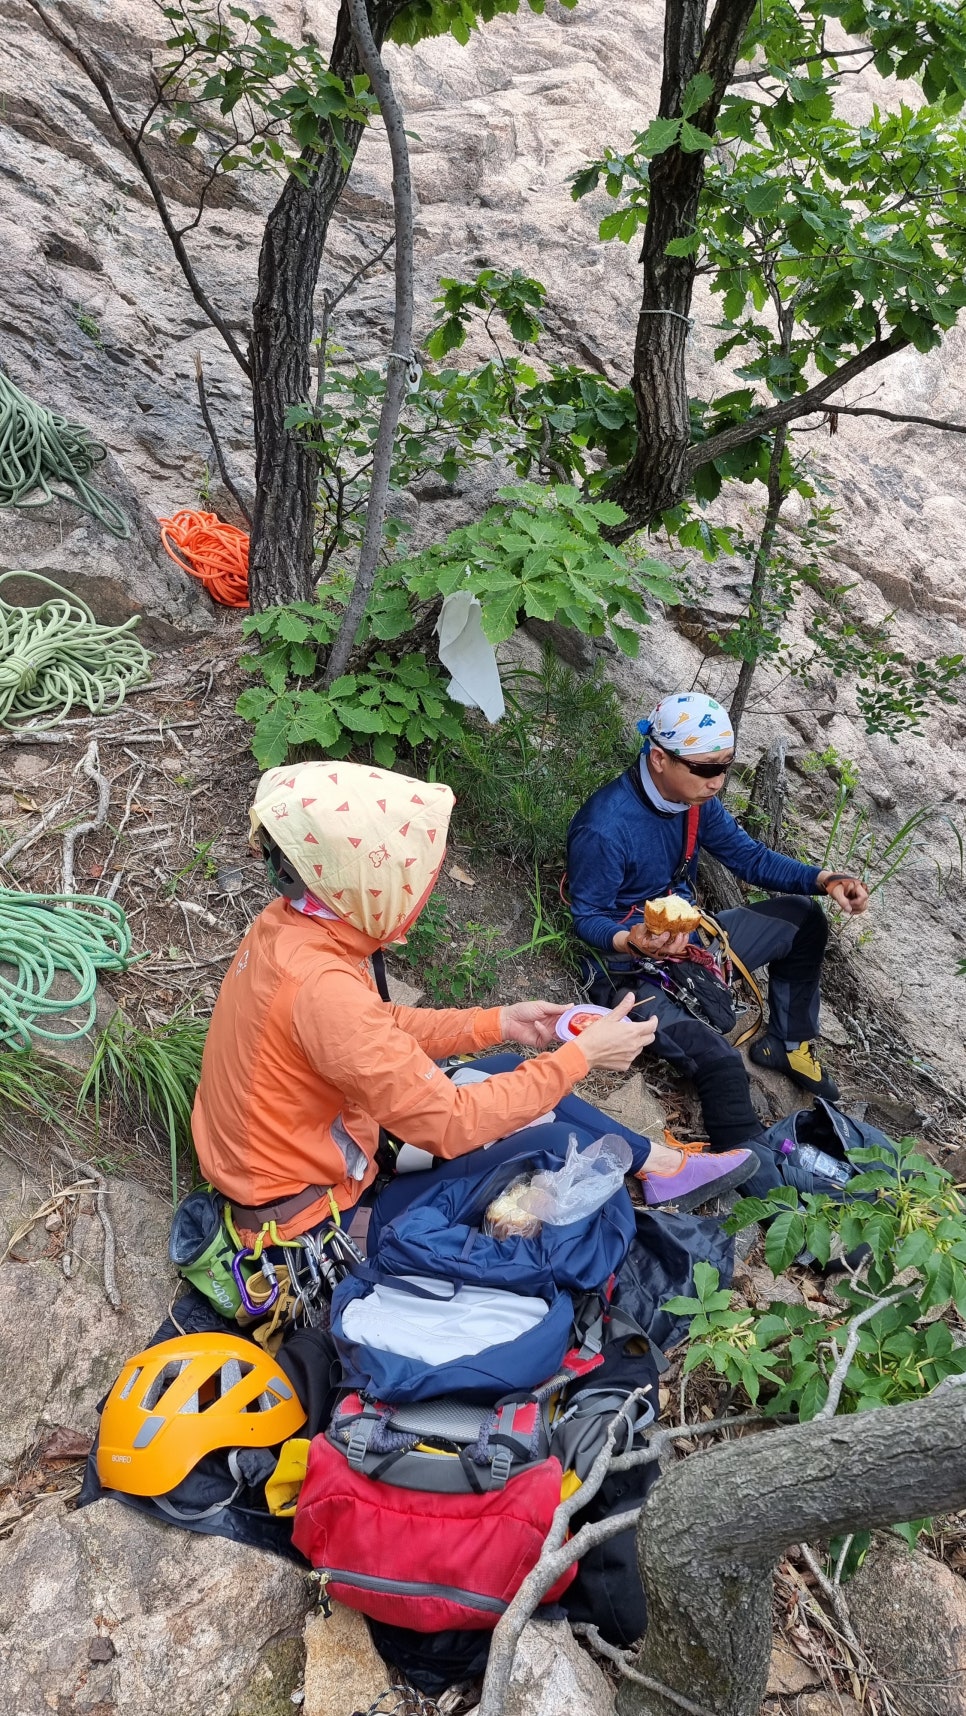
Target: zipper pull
[[320, 1577]]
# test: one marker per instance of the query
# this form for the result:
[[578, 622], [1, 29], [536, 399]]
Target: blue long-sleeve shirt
[[622, 850]]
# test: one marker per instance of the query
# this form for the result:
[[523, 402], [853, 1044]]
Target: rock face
[[910, 1613], [105, 1610], [59, 1337], [554, 1676], [343, 1670]]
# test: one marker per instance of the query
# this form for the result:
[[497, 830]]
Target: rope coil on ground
[[43, 456], [41, 934], [203, 545], [56, 654]]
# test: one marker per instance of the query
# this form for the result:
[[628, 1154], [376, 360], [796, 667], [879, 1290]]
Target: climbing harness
[[244, 1282], [205, 546], [40, 451], [57, 654], [41, 934]]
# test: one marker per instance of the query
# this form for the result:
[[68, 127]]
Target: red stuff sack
[[417, 1558]]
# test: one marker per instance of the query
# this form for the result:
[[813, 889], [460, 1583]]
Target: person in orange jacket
[[305, 1062]]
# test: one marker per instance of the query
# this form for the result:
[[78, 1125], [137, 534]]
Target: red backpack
[[431, 1515]]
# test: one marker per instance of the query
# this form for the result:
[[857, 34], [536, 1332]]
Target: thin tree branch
[[896, 417], [130, 137], [110, 1246], [585, 1630], [787, 410], [216, 443], [559, 1551], [90, 766], [553, 1561], [402, 338], [842, 1363]]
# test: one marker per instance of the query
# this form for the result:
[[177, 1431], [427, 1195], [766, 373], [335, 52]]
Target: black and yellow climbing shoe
[[801, 1065]]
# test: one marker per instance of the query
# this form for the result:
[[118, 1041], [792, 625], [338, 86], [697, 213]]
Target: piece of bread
[[508, 1218], [671, 915]]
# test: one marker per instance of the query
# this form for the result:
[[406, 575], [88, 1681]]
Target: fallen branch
[[559, 1551], [841, 1370], [622, 1658], [34, 833], [90, 766], [110, 1247]]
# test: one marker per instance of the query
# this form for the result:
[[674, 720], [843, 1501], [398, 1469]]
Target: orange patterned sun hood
[[365, 841]]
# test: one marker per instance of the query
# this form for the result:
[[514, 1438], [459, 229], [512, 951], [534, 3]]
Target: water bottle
[[808, 1160]]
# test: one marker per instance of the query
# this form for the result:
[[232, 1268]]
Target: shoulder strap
[[691, 821], [379, 973]]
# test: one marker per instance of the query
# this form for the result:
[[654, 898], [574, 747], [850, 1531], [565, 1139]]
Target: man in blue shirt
[[636, 839]]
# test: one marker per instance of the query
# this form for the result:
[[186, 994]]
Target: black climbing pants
[[788, 935]]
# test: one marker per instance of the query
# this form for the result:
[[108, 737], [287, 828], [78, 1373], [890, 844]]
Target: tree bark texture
[[713, 1530], [759, 575], [765, 817], [656, 477], [286, 472]]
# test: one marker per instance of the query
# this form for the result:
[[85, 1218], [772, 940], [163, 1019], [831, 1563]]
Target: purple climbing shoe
[[701, 1176]]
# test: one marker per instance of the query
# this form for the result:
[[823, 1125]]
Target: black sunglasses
[[707, 771]]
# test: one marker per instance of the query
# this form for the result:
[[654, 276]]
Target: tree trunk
[[759, 576], [397, 363], [713, 1530], [720, 891], [656, 476], [281, 553], [765, 816]]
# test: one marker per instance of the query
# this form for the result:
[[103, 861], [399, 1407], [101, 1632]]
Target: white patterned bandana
[[689, 722], [366, 842]]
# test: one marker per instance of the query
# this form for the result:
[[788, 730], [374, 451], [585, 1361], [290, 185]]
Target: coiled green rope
[[56, 655], [41, 934], [39, 449]]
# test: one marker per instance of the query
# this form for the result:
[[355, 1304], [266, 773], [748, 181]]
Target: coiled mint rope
[[56, 654]]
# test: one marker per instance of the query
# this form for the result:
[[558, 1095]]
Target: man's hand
[[531, 1022], [849, 893], [641, 940]]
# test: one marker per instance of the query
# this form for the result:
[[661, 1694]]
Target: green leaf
[[254, 703], [358, 719], [626, 638], [771, 1327], [684, 246], [681, 1307], [270, 739], [660, 135], [813, 1396], [694, 141], [764, 199], [696, 94], [292, 627], [784, 1240], [384, 750]]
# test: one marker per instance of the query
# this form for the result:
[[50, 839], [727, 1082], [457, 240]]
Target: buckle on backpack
[[359, 1438]]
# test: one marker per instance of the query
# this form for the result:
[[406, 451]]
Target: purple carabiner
[[248, 1304]]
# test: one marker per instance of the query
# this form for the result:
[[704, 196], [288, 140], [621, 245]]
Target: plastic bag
[[568, 1194]]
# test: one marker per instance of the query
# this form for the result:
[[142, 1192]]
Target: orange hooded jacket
[[304, 1061]]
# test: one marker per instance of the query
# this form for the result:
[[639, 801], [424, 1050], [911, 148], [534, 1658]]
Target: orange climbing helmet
[[185, 1398]]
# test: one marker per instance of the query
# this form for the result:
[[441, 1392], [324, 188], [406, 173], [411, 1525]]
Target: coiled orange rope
[[211, 550]]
